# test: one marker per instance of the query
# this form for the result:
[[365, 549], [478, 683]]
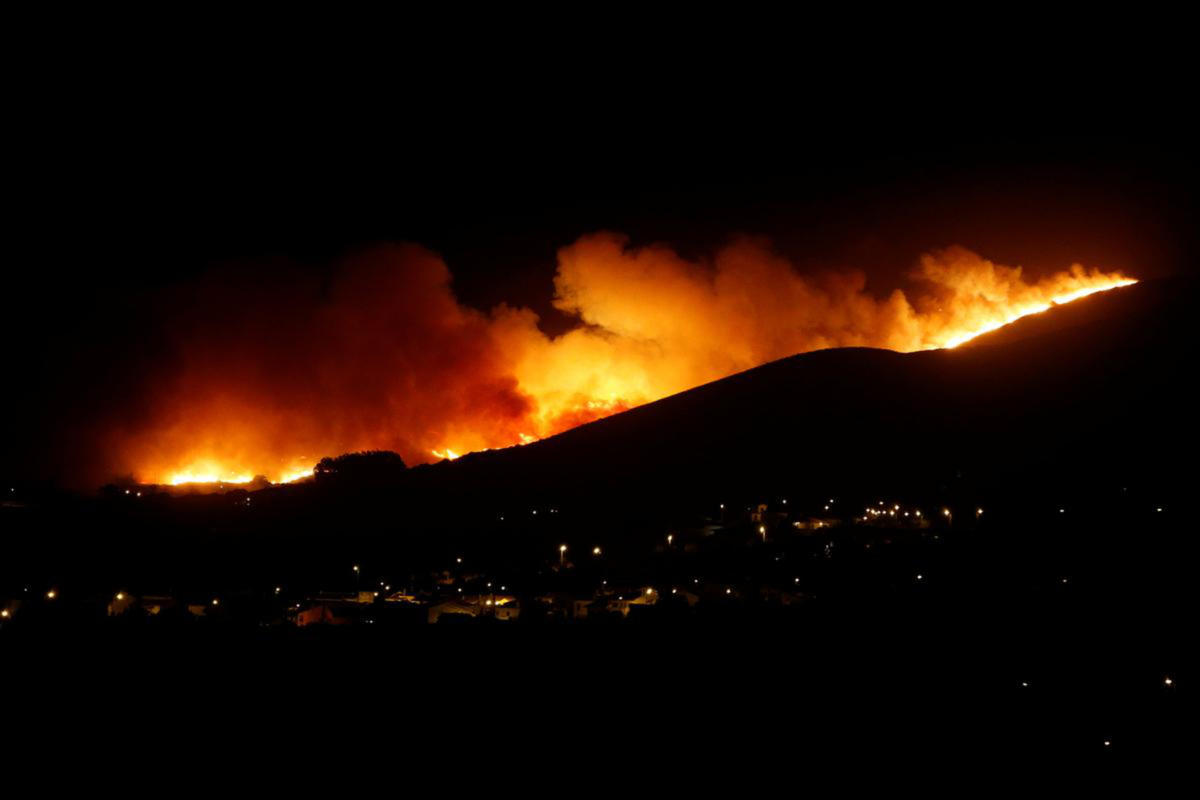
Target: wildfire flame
[[1013, 313], [388, 359], [208, 471]]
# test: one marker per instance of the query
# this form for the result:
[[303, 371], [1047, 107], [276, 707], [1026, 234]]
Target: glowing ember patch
[[180, 478], [212, 472], [297, 475], [447, 454]]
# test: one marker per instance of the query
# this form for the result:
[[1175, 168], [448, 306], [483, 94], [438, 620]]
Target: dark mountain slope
[[1096, 389]]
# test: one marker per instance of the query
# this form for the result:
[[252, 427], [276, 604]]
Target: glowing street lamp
[[562, 555], [763, 530], [595, 551]]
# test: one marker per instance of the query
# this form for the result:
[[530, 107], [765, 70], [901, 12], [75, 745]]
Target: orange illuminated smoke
[[383, 356]]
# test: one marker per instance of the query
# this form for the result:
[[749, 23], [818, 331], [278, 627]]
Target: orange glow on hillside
[[387, 358]]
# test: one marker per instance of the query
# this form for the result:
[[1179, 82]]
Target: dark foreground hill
[[1095, 390]]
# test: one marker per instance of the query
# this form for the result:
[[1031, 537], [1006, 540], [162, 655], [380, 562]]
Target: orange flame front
[[389, 359]]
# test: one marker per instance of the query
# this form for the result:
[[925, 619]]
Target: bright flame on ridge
[[1008, 316]]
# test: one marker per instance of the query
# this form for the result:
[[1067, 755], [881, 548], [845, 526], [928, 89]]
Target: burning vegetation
[[264, 380]]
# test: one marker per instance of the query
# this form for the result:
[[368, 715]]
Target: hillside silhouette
[[1096, 388]]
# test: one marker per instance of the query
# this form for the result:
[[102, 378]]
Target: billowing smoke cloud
[[267, 376]]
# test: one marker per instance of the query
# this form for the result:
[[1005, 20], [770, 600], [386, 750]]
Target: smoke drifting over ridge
[[268, 377]]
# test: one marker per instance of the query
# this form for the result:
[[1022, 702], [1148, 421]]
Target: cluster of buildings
[[585, 585]]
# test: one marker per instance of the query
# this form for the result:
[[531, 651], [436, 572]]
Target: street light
[[595, 551], [562, 554]]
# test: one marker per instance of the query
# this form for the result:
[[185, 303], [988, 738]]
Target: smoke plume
[[267, 376]]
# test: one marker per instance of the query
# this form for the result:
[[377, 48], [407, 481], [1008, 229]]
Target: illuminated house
[[334, 608], [622, 604], [562, 604], [815, 523], [499, 606], [451, 608], [153, 605]]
